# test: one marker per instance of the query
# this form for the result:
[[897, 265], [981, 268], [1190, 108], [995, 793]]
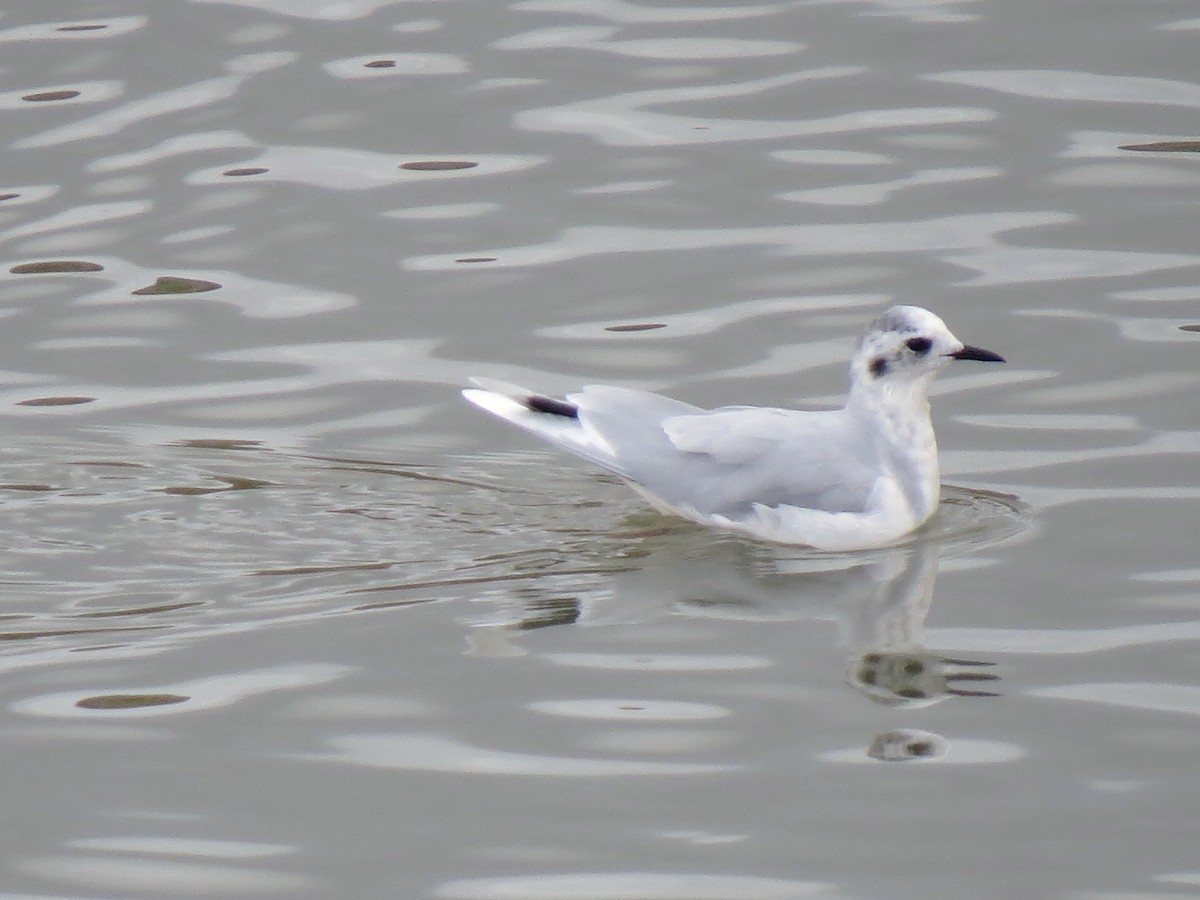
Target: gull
[[855, 478]]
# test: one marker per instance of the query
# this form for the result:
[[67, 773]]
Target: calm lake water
[[284, 617]]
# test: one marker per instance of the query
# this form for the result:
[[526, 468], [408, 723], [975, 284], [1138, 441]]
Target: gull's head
[[906, 345]]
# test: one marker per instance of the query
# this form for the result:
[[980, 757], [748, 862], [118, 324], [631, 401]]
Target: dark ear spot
[[879, 366]]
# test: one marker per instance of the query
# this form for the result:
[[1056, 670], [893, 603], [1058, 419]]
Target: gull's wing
[[728, 461], [722, 462]]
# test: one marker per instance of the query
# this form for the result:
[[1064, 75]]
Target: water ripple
[[878, 193], [253, 297], [1063, 641], [377, 65], [124, 873], [1077, 86], [54, 96], [434, 753], [79, 216], [592, 37], [382, 198], [1148, 696], [75, 29], [643, 885], [961, 233], [339, 168], [623, 121], [635, 13], [629, 710], [318, 10], [167, 148], [210, 692], [165, 103]]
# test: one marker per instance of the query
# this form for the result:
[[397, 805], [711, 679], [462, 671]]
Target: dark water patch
[[187, 491], [129, 701], [549, 611], [231, 483], [643, 326], [354, 463], [219, 444], [246, 170], [325, 570], [380, 64], [28, 488], [374, 515], [56, 401], [242, 483], [905, 744], [47, 96], [172, 284], [392, 604], [93, 27], [56, 267], [1189, 327], [107, 463], [476, 259], [8, 196], [1165, 147], [137, 610], [438, 165], [634, 534], [379, 463], [71, 632]]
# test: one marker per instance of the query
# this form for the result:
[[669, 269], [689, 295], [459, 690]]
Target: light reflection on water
[[252, 542], [650, 885]]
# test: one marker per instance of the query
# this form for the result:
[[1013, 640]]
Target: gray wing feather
[[721, 462], [724, 461]]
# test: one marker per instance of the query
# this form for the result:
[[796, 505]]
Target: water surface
[[282, 616]]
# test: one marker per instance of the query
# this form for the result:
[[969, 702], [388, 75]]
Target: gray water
[[282, 616]]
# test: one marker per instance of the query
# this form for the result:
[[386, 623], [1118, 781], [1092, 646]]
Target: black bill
[[976, 353]]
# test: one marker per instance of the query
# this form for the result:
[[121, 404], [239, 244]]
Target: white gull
[[854, 478]]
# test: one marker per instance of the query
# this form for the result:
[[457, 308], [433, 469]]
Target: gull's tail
[[554, 420]]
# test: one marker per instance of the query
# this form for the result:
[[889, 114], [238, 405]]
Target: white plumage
[[853, 478]]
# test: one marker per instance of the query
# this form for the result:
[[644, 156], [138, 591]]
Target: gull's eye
[[919, 346]]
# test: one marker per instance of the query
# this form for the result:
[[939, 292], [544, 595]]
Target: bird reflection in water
[[884, 632], [878, 599]]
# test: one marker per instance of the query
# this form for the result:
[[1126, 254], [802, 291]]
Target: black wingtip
[[541, 404]]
